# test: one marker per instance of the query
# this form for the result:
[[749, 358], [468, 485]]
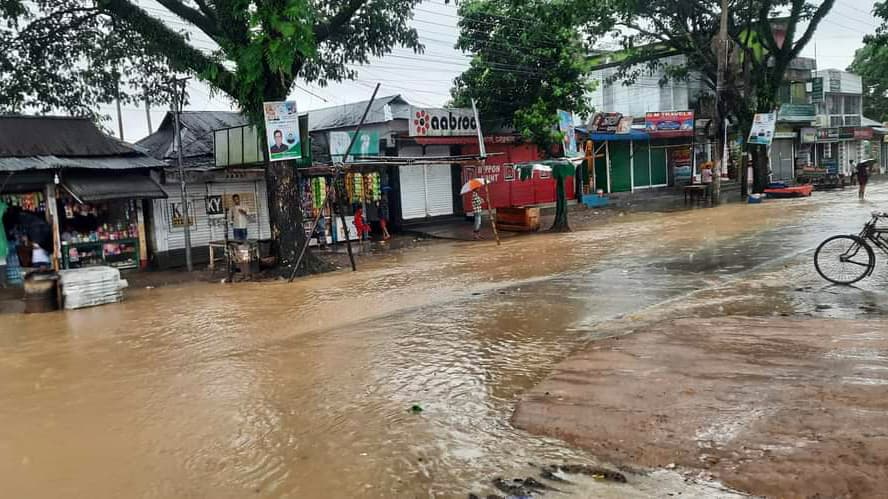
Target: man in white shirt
[[238, 217]]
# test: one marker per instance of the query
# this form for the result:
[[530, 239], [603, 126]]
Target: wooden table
[[696, 192]]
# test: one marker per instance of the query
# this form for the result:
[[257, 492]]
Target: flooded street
[[306, 389]]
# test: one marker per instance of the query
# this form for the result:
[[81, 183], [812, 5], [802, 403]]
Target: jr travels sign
[[669, 122], [428, 122]]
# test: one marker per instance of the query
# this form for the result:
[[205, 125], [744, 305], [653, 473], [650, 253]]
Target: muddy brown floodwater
[[304, 390]]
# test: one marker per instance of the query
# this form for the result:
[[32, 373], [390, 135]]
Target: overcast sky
[[425, 79]]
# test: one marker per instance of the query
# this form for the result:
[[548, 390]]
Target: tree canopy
[[528, 61], [68, 55], [871, 63], [765, 37]]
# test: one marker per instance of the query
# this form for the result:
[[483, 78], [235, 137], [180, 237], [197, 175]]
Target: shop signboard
[[625, 125], [808, 135], [797, 112], [214, 206], [606, 122], [827, 134], [177, 214], [566, 127], [366, 145], [863, 133], [846, 133], [762, 131], [431, 122], [681, 165], [817, 90], [282, 131], [666, 122]]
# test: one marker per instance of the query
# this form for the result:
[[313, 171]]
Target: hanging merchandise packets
[[319, 192]]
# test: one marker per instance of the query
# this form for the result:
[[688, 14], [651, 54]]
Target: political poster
[[566, 126], [366, 145], [282, 131], [762, 131]]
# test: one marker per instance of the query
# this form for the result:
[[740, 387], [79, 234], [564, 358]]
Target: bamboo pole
[[490, 212], [339, 196]]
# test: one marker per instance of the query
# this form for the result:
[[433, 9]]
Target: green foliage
[[528, 61], [650, 29], [67, 54], [871, 63]]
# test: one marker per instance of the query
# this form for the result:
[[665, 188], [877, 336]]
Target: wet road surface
[[304, 390]]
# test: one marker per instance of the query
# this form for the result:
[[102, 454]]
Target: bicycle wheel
[[844, 259]]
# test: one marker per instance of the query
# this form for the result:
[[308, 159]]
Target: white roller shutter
[[413, 202], [439, 190]]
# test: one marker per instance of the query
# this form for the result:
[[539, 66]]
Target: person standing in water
[[862, 177], [476, 210]]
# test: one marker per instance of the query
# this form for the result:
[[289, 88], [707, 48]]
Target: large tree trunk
[[285, 214], [560, 223], [760, 169]]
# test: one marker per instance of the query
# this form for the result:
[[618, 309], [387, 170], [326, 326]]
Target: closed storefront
[[426, 191], [207, 205], [782, 160]]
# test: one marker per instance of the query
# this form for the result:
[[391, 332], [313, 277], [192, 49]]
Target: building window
[[852, 104], [852, 120], [836, 121], [827, 151], [508, 172], [833, 104]]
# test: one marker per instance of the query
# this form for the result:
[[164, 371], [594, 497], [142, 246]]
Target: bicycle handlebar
[[880, 214]]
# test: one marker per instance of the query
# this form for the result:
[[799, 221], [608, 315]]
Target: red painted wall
[[506, 190]]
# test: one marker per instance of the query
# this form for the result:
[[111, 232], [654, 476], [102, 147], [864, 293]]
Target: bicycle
[[846, 259]]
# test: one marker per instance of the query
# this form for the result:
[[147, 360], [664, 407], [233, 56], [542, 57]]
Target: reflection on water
[[304, 390]]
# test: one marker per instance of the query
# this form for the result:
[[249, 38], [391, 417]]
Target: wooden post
[[339, 196], [52, 208], [490, 212], [143, 242]]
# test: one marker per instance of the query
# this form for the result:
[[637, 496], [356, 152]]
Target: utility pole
[[147, 110], [178, 98], [721, 118], [119, 112]]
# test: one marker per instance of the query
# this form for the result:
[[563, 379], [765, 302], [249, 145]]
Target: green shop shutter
[[601, 171], [641, 165], [659, 169], [621, 178]]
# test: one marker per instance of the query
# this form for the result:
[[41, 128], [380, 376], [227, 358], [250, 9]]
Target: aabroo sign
[[425, 122]]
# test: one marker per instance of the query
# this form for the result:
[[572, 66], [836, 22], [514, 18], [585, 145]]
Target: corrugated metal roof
[[92, 188], [349, 115], [128, 162], [197, 133], [62, 136]]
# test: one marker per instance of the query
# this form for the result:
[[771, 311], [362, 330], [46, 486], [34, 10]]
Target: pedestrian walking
[[383, 209], [862, 177], [360, 225], [476, 210]]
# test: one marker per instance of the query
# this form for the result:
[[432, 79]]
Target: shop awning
[[89, 189], [632, 135]]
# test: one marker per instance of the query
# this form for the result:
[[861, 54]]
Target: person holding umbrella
[[472, 187], [863, 176]]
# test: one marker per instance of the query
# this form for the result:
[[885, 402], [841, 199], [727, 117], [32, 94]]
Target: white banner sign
[[426, 122], [762, 131]]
